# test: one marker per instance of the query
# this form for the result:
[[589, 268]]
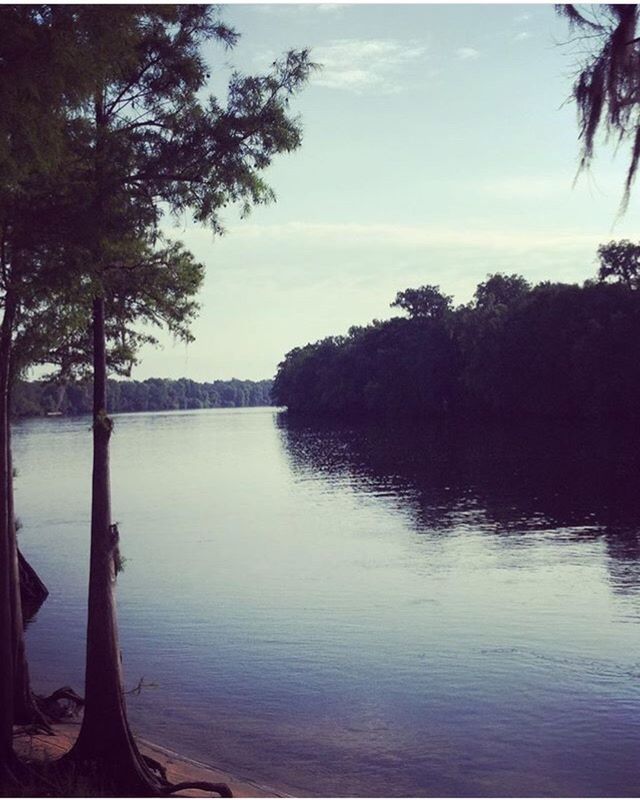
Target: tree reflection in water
[[579, 482]]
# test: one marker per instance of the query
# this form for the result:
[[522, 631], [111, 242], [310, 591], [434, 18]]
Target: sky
[[439, 146]]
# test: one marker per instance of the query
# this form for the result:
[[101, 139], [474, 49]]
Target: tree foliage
[[92, 156], [37, 398], [553, 351], [426, 301], [620, 262], [607, 88]]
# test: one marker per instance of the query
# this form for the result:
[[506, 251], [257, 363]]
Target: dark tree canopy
[[500, 291], [620, 262], [552, 351], [426, 301]]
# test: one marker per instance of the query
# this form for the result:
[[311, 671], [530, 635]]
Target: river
[[356, 611]]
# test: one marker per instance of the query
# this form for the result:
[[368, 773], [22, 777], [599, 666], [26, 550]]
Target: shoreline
[[179, 768]]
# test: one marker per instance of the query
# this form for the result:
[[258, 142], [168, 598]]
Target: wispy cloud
[[361, 65], [298, 9], [419, 235], [467, 53], [330, 8], [522, 36]]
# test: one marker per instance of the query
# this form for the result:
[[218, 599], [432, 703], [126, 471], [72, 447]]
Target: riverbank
[[42, 748]]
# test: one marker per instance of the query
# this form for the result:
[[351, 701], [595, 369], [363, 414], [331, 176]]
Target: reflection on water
[[358, 611], [583, 482]]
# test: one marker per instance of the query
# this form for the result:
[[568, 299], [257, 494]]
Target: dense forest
[[37, 398], [551, 350]]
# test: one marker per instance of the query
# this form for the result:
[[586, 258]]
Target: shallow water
[[356, 611]]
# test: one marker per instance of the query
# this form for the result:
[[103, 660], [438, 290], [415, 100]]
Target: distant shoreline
[[61, 415], [74, 398]]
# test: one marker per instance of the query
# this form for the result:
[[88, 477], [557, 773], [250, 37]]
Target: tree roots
[[63, 778], [136, 775], [221, 788], [61, 704]]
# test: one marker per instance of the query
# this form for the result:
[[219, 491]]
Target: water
[[345, 611]]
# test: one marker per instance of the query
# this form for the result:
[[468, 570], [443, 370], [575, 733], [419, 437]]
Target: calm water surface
[[352, 611]]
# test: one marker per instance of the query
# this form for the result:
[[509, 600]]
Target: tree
[[620, 261], [500, 291], [607, 89], [40, 74], [426, 301], [147, 141], [553, 351]]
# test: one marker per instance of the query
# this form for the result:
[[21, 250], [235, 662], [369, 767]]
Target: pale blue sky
[[436, 149]]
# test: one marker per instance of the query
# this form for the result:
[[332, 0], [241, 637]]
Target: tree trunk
[[25, 707], [6, 628], [105, 741], [105, 732]]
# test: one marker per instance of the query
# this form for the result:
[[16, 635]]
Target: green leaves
[[134, 138]]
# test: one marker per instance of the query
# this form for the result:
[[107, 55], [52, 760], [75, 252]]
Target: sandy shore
[[178, 767]]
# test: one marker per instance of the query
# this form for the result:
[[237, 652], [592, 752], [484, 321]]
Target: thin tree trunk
[[6, 639], [105, 740], [25, 707], [105, 732]]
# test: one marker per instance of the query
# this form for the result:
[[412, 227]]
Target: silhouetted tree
[[426, 301], [552, 351], [607, 89], [499, 292], [620, 261]]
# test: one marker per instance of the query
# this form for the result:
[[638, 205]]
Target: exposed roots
[[156, 767], [32, 719], [36, 714], [61, 704], [220, 788], [142, 776]]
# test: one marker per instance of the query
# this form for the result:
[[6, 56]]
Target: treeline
[[38, 398], [552, 350]]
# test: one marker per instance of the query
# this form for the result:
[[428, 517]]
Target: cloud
[[361, 65], [522, 36], [417, 236], [298, 9], [329, 8], [467, 53]]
